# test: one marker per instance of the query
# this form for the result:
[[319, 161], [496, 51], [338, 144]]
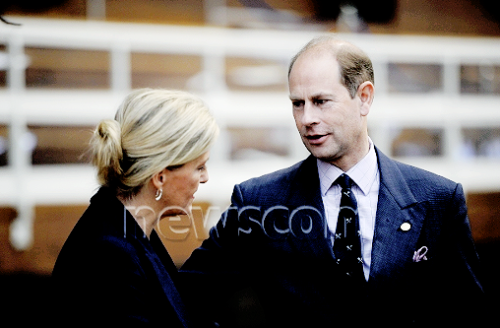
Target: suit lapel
[[393, 247], [306, 192]]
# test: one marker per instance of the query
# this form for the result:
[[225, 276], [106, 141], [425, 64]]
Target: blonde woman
[[150, 160]]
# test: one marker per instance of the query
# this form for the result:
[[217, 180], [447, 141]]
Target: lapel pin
[[406, 226], [420, 254]]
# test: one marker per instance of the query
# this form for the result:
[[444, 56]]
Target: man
[[277, 256]]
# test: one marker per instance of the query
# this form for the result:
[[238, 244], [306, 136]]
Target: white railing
[[23, 185]]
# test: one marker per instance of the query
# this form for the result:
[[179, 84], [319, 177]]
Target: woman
[[150, 161]]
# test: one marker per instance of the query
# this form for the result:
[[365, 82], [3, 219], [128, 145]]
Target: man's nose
[[310, 115]]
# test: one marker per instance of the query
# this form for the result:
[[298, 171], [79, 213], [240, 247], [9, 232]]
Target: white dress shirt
[[365, 175]]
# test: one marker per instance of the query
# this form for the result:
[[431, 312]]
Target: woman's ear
[[366, 92], [159, 179]]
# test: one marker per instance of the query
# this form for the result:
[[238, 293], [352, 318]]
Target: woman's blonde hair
[[153, 129]]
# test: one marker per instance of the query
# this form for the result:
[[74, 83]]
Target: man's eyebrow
[[316, 96], [321, 94]]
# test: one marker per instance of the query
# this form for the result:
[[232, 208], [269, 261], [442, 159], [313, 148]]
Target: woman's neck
[[143, 211]]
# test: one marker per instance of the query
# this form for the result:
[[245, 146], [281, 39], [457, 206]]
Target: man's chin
[[319, 152], [322, 155]]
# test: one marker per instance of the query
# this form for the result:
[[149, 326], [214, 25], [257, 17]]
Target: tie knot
[[344, 181]]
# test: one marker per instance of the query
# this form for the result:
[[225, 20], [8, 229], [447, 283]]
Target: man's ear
[[366, 92]]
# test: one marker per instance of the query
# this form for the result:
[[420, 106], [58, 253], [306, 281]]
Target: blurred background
[[65, 65]]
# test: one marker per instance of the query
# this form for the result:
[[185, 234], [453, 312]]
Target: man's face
[[332, 125]]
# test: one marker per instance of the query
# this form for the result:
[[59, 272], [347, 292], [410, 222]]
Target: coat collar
[[394, 181], [122, 223]]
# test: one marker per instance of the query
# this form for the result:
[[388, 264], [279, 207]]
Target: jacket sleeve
[[466, 280], [213, 278], [452, 282]]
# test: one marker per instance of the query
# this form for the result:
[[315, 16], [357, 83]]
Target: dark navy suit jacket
[[108, 272], [269, 260]]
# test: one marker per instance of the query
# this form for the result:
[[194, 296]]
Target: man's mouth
[[316, 139]]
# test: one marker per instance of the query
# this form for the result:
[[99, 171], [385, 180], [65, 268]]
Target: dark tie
[[347, 245]]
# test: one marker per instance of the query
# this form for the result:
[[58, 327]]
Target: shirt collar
[[362, 173]]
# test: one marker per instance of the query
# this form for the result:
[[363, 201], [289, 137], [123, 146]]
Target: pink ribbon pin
[[420, 254]]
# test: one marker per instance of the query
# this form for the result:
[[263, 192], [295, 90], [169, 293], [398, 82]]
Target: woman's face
[[181, 183]]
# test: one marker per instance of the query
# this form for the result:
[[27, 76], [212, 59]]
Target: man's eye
[[297, 103]]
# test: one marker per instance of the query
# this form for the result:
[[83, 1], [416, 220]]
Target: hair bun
[[107, 151]]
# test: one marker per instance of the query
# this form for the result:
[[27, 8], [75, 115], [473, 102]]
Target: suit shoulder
[[426, 185], [278, 184], [420, 175], [278, 176], [408, 183]]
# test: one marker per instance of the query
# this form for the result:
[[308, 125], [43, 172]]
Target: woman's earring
[[158, 194]]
